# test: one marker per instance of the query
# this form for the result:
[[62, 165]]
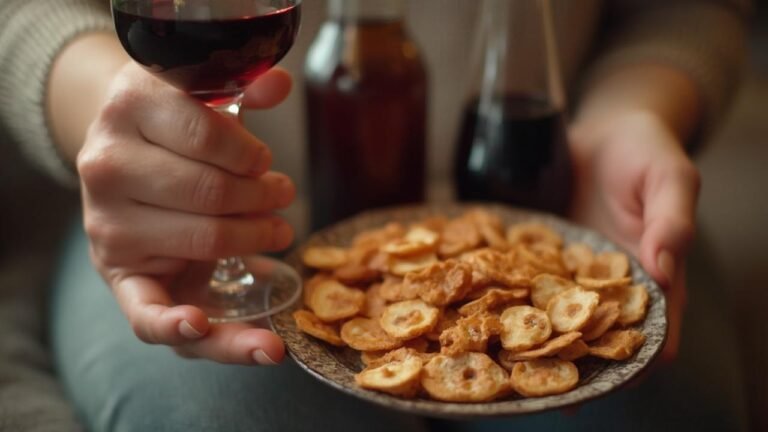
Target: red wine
[[514, 152], [196, 50]]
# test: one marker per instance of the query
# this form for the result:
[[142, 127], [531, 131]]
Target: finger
[[201, 238], [236, 344], [676, 301], [669, 214], [268, 90], [195, 187], [190, 129], [149, 309]]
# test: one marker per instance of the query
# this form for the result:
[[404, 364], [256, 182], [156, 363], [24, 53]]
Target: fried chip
[[574, 351], [571, 310], [406, 248], [310, 324], [374, 302], [543, 257], [447, 319], [600, 284], [469, 377], [606, 265], [524, 327], [324, 257], [332, 301], [375, 238], [544, 377], [442, 283], [602, 320], [633, 302], [490, 228], [310, 285], [470, 334], [394, 289], [365, 334], [459, 235], [355, 274], [533, 232], [545, 286], [576, 256], [378, 358], [398, 377], [421, 234], [498, 267], [402, 266], [408, 319], [547, 349], [617, 344], [493, 298]]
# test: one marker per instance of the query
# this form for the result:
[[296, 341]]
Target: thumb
[[269, 90]]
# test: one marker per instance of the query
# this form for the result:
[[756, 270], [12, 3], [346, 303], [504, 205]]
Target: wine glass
[[213, 49]]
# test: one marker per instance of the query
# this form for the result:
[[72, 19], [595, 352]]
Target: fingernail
[[667, 265], [262, 358], [189, 332]]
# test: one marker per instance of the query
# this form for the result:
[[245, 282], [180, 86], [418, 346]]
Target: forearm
[[656, 90], [75, 93]]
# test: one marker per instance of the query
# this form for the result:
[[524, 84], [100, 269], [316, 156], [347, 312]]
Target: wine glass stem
[[230, 278]]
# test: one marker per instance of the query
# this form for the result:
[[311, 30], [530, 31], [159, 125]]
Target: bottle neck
[[366, 10]]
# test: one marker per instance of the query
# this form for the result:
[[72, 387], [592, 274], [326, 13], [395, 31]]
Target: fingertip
[[191, 322], [282, 235], [268, 347], [268, 90]]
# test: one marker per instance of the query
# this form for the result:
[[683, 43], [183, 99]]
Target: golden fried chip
[[524, 327], [571, 310], [355, 274], [470, 334], [493, 298], [402, 266], [324, 257], [378, 237], [374, 302], [378, 358], [470, 377], [547, 349], [545, 286], [544, 377], [490, 228], [332, 301], [574, 351], [447, 319], [399, 378], [498, 267], [533, 232], [421, 234], [601, 284], [404, 248], [307, 322], [365, 334], [310, 285], [576, 256], [602, 320], [442, 283], [408, 319], [543, 257], [617, 344], [606, 265], [459, 235], [633, 302], [394, 289]]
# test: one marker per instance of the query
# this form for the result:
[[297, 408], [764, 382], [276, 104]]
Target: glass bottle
[[366, 94], [512, 146]]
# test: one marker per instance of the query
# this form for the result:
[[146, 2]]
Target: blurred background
[[733, 209]]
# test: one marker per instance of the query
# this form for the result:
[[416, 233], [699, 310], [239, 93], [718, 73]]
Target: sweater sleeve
[[32, 32], [704, 39]]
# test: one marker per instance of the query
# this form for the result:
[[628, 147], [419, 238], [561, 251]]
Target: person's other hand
[[166, 180], [635, 183]]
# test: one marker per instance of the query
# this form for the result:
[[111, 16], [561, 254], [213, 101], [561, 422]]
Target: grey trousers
[[117, 383]]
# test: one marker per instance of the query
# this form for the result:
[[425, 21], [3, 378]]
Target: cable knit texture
[[32, 32]]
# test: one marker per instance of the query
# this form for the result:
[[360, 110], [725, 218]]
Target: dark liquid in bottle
[[366, 125], [209, 57], [514, 150]]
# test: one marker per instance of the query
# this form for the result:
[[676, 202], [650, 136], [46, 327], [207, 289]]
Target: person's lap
[[117, 383]]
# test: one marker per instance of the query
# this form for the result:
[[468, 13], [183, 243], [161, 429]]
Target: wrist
[[76, 93]]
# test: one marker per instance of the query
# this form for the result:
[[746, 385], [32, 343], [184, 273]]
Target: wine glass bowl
[[212, 50]]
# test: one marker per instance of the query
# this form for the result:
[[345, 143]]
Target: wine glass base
[[276, 286]]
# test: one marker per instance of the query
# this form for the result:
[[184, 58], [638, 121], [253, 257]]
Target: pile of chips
[[467, 310]]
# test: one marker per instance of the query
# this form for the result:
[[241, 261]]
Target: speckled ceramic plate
[[337, 366]]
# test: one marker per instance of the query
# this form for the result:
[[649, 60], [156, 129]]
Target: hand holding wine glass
[[172, 180]]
